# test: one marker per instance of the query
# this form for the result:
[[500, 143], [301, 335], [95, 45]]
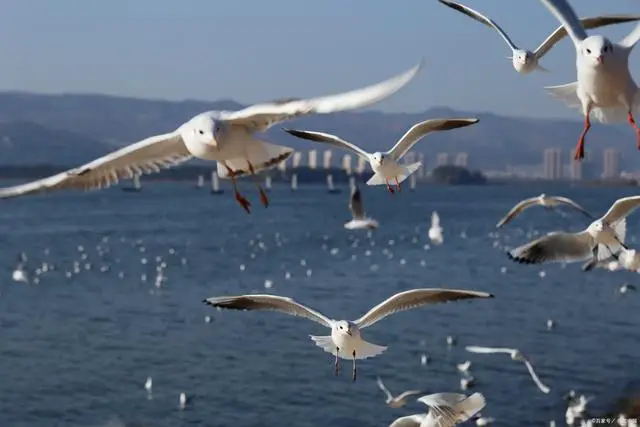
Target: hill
[[72, 128]]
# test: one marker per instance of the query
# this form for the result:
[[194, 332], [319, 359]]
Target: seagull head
[[523, 61], [595, 227], [202, 130], [344, 327], [377, 158], [596, 50]]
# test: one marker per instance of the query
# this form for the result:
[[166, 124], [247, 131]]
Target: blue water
[[76, 351]]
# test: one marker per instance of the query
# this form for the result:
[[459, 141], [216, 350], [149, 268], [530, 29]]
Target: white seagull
[[345, 341], [396, 401], [385, 165], [358, 218], [525, 61], [604, 86], [224, 136], [435, 231], [464, 367], [445, 410], [604, 237], [543, 200], [515, 355], [629, 259]]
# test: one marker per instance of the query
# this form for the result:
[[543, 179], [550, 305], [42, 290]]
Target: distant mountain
[[69, 128]]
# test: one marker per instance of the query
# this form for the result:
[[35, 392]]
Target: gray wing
[[355, 204], [409, 393], [473, 14], [489, 350], [568, 18], [543, 388], [516, 210], [408, 421], [261, 117], [327, 138], [621, 208], [632, 39], [147, 156], [573, 204], [555, 247], [587, 24], [383, 388], [415, 298], [268, 302], [419, 130]]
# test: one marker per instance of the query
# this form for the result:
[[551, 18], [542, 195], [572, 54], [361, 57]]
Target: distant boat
[[200, 183], [294, 182], [412, 182], [331, 188], [215, 183], [267, 183], [136, 184]]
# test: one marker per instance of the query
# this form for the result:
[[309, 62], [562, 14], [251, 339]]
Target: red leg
[[579, 154], [337, 367], [398, 185], [390, 188], [263, 196], [633, 124], [239, 197], [354, 365]]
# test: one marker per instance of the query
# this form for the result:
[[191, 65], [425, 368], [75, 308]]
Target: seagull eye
[[588, 50], [201, 132], [605, 49], [340, 327]]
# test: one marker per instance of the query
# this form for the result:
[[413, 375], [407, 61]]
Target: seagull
[[345, 340], [548, 202], [526, 61], [627, 287], [515, 355], [398, 401], [359, 220], [385, 165], [445, 410], [604, 237], [223, 136], [604, 85], [467, 382], [435, 231], [464, 367], [629, 259], [483, 421]]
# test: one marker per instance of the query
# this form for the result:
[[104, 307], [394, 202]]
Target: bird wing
[[621, 208], [543, 388], [419, 130], [487, 350], [573, 204], [327, 138], [383, 388], [268, 302], [632, 38], [355, 204], [145, 156], [442, 405], [414, 298], [473, 14], [555, 247], [409, 393], [568, 18], [261, 117], [408, 421], [516, 210], [587, 24]]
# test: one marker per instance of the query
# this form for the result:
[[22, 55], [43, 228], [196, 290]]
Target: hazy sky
[[255, 50]]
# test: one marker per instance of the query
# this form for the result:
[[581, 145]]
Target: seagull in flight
[[602, 239], [386, 166], [226, 137], [345, 341], [396, 401], [525, 61], [604, 86], [543, 200], [515, 355], [445, 410], [358, 218]]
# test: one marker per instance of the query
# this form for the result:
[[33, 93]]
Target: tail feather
[[377, 179], [470, 406], [607, 251], [408, 170], [262, 156], [365, 349]]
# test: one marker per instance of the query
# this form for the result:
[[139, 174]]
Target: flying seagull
[[396, 401], [345, 341], [435, 231], [224, 136], [604, 85], [543, 200], [515, 355], [385, 165], [526, 61], [602, 238], [445, 410], [358, 218]]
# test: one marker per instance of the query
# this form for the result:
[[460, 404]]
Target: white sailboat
[[215, 183], [412, 182], [331, 188], [136, 184], [200, 183], [294, 182], [267, 183]]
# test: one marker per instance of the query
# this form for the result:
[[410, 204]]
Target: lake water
[[77, 347]]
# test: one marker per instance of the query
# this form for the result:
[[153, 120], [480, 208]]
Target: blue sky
[[252, 50]]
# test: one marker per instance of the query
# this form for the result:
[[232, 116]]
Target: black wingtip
[[520, 260]]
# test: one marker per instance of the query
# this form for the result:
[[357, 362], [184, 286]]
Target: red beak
[[600, 59]]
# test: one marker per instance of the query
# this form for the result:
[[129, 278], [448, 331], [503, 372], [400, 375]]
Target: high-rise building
[[611, 167], [420, 172], [313, 159], [442, 159], [552, 163], [576, 170], [462, 159], [346, 163], [326, 159], [362, 164]]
